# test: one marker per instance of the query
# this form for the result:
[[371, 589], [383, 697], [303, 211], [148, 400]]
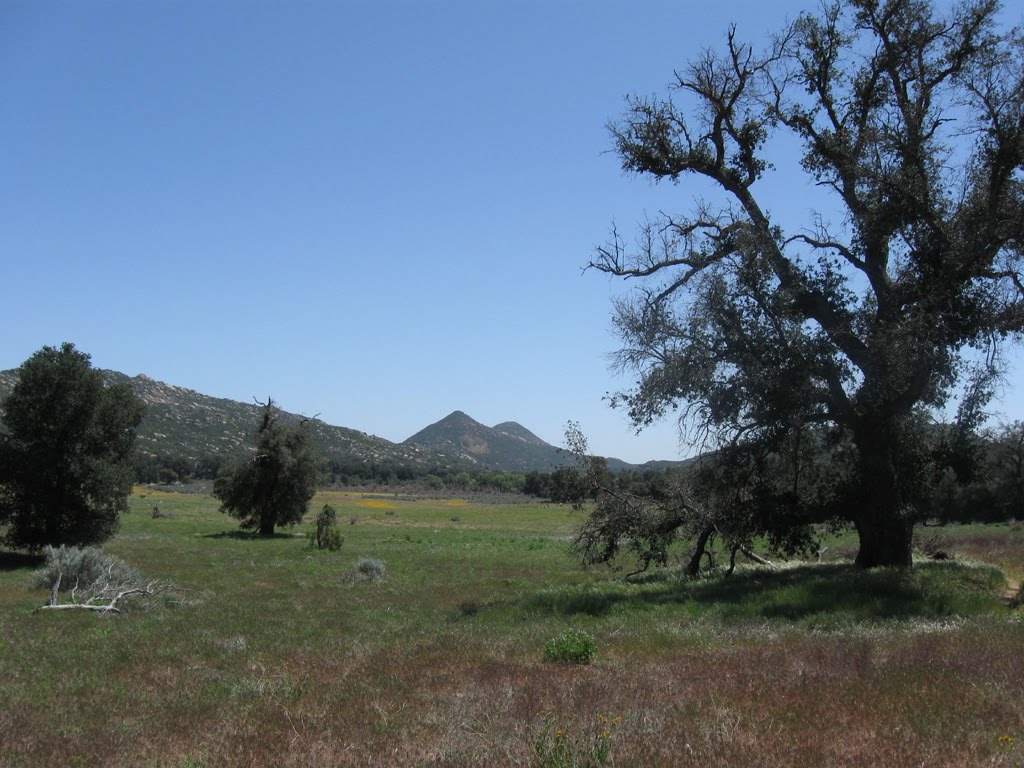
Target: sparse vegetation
[[559, 744]]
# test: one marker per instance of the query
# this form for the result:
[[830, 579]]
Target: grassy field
[[274, 657]]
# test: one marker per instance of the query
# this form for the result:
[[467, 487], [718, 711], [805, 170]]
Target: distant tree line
[[980, 477], [982, 480], [342, 473], [440, 479], [150, 468]]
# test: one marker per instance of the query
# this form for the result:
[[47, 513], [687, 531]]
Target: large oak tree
[[900, 286]]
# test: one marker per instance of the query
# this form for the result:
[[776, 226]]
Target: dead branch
[[103, 597], [756, 558]]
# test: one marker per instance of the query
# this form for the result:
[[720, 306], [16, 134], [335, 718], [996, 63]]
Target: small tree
[[66, 464], [327, 535], [274, 485]]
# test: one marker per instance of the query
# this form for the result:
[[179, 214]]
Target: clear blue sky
[[374, 211]]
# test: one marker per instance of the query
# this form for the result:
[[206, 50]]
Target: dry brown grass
[[905, 699]]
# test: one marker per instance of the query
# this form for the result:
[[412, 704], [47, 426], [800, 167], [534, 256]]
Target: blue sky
[[374, 211]]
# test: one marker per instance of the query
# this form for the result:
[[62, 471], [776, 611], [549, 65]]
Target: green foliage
[[738, 495], [558, 745], [978, 476], [573, 646], [327, 534], [274, 485], [65, 460], [80, 568]]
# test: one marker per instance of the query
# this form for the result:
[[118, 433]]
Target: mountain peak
[[507, 447], [458, 416]]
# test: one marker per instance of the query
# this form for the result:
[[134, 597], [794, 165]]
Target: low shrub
[[367, 569], [67, 568], [573, 646], [327, 534]]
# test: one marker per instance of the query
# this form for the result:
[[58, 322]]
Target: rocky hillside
[[188, 425], [184, 423]]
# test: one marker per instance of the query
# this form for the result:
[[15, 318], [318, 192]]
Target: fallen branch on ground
[[105, 598]]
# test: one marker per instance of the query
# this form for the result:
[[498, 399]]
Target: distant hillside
[[187, 425], [184, 423], [508, 447]]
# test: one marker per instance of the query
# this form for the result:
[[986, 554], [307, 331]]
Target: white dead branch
[[103, 592]]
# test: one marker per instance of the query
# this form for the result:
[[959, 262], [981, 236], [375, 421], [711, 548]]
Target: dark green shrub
[[327, 535]]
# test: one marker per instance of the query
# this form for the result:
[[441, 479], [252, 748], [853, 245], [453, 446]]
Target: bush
[[573, 646], [71, 567], [367, 569], [327, 535]]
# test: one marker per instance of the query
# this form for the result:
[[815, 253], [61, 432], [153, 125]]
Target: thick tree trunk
[[884, 540], [266, 524], [693, 568], [882, 521]]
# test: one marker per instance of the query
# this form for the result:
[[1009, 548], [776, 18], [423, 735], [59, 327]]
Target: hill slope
[[181, 422], [508, 447], [189, 426]]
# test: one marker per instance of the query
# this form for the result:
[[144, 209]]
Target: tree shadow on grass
[[815, 594], [249, 536], [16, 561]]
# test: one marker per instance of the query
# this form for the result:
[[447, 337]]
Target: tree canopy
[[891, 298], [66, 468], [273, 486]]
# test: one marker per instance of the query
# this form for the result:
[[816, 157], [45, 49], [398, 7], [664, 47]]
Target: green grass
[[809, 596], [275, 656]]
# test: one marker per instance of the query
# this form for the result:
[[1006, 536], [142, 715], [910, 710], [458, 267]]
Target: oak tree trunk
[[883, 525]]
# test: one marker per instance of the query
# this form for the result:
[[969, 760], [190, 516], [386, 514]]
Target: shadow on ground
[[820, 594], [16, 561], [249, 536]]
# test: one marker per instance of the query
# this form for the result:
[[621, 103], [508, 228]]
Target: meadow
[[272, 655]]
